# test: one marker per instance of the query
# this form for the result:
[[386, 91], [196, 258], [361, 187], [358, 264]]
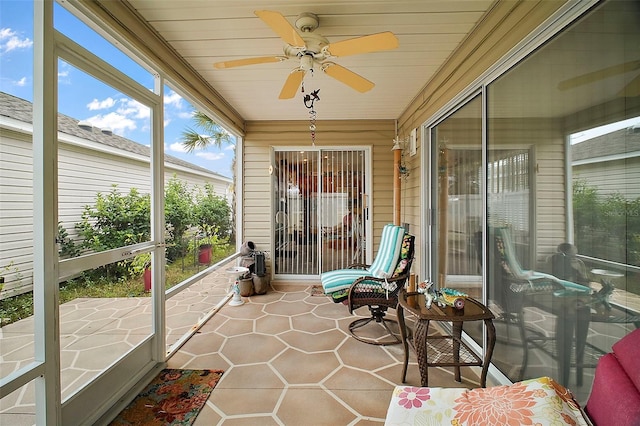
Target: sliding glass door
[[319, 209], [457, 153]]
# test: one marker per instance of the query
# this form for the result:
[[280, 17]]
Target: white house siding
[[260, 137], [610, 163], [16, 210], [83, 172], [620, 176]]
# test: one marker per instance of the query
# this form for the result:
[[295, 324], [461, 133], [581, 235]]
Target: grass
[[18, 307]]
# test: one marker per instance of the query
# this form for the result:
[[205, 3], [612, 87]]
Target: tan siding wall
[[262, 136], [550, 212], [546, 139], [504, 26]]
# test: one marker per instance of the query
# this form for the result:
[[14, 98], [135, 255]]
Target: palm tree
[[214, 134]]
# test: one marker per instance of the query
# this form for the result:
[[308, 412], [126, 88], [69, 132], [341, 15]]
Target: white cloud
[[134, 109], [172, 98], [229, 147], [185, 115], [212, 156], [22, 82], [104, 104], [129, 115], [177, 147], [167, 122], [9, 40], [63, 73], [114, 121]]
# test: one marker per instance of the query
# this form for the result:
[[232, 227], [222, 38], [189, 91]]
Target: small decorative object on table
[[451, 297], [443, 297], [424, 287]]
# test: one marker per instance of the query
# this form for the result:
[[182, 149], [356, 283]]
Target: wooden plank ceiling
[[206, 32]]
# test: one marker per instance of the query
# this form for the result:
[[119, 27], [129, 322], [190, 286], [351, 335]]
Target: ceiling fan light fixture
[[306, 63]]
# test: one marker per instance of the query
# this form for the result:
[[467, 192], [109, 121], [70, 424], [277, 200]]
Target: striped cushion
[[340, 279], [385, 262], [389, 251]]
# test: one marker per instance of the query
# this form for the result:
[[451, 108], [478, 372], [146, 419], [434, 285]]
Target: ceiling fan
[[312, 49], [631, 89]]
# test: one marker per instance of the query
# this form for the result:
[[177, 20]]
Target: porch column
[[397, 184]]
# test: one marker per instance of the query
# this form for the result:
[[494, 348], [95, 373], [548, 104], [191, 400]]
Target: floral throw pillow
[[406, 253], [537, 401]]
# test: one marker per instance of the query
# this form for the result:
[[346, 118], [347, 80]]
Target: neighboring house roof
[[621, 143], [22, 110]]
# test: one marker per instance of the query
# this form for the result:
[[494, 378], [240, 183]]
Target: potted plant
[[205, 250], [212, 216], [245, 285], [141, 265]]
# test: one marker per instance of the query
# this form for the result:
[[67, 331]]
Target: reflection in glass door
[[457, 148], [320, 210]]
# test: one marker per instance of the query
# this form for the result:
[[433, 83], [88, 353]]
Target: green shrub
[[606, 227], [139, 264], [116, 220], [212, 213], [67, 247], [179, 216]]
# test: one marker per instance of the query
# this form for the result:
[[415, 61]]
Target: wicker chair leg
[[392, 339]]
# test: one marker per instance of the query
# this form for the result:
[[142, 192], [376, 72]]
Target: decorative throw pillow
[[406, 253], [501, 252]]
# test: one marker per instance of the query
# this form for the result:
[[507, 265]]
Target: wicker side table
[[453, 352]]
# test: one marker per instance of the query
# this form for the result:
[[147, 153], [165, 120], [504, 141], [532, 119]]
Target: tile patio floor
[[289, 360], [287, 356]]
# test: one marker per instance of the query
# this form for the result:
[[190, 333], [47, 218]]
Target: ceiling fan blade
[[632, 89], [291, 85], [365, 44], [599, 75], [281, 26], [347, 77], [249, 61]]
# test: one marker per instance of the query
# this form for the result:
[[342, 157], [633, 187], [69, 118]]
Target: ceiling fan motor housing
[[307, 22]]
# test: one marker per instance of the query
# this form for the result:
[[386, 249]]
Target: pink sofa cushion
[[614, 399], [627, 351]]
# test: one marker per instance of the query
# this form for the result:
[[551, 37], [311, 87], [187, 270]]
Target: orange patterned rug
[[174, 397]]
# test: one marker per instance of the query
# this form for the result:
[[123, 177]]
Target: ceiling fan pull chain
[[312, 126], [309, 100]]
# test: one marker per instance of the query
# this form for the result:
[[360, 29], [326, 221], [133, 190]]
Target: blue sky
[[85, 98]]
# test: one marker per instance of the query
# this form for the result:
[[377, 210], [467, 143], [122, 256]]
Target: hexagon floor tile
[[292, 361], [287, 355]]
